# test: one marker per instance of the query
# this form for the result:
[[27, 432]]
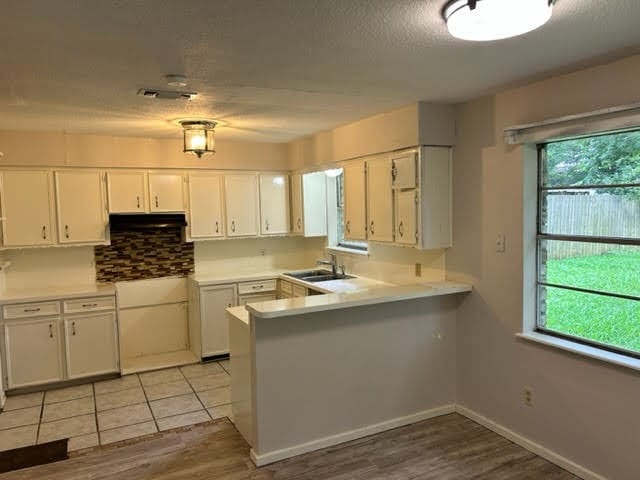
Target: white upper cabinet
[[166, 192], [404, 170], [127, 192], [205, 206], [355, 218], [379, 199], [27, 208], [80, 206], [241, 195], [406, 217], [274, 204], [309, 204], [435, 198]]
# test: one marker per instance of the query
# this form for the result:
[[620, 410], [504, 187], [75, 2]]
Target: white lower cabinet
[[92, 345], [61, 339], [33, 352], [208, 325]]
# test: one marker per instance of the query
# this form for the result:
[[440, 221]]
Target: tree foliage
[[601, 160]]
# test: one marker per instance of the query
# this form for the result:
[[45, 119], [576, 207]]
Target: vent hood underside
[[146, 221]]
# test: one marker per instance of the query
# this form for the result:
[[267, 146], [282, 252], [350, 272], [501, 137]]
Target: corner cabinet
[[80, 206], [206, 200], [274, 204], [28, 213], [309, 204], [242, 204]]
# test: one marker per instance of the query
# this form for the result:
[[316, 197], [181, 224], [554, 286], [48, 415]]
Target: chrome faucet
[[333, 263]]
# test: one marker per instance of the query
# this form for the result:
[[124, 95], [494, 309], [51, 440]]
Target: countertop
[[240, 313], [13, 295], [368, 296]]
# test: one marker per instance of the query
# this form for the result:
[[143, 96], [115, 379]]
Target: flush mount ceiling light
[[482, 20], [198, 136]]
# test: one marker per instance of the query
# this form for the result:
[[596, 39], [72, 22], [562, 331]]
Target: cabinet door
[[241, 192], [126, 192], [403, 170], [406, 217], [33, 352], [205, 206], [27, 202], [166, 192], [379, 200], [355, 218], [80, 202], [215, 326], [296, 203], [92, 348], [274, 204]]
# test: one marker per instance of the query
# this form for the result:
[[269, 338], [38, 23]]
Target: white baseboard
[[270, 457], [530, 445]]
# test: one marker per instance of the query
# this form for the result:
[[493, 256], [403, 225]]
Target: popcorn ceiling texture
[[139, 255]]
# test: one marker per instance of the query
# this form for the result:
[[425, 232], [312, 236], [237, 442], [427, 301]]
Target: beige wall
[[583, 409], [75, 150]]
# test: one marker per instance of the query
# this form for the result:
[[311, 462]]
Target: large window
[[588, 271]]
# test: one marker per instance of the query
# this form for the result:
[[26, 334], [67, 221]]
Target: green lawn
[[604, 319]]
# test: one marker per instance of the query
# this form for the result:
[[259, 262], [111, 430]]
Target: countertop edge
[[44, 294]]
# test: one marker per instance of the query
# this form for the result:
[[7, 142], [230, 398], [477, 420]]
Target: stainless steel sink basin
[[317, 276]]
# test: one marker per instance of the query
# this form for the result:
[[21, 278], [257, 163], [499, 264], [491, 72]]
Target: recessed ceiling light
[[176, 80], [482, 20]]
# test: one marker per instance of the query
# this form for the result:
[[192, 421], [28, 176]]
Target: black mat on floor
[[33, 455]]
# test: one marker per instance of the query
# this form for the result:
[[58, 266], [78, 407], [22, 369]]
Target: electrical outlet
[[501, 243], [418, 269], [528, 397]]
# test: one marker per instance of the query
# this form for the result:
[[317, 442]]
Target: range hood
[[146, 221]]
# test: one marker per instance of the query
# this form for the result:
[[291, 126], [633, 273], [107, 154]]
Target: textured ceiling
[[274, 70]]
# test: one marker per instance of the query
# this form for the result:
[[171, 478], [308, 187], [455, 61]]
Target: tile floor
[[112, 410]]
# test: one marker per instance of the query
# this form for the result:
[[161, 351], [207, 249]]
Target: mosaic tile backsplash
[[139, 255]]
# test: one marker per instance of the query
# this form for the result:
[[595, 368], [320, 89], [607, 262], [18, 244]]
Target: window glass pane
[[601, 160], [607, 212], [608, 320], [594, 266]]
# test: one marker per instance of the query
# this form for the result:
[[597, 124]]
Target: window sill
[[353, 251], [580, 349]]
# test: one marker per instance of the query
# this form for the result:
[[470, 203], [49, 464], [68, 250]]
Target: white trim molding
[[530, 445], [276, 455]]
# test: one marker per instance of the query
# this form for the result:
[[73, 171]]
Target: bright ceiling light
[[198, 136], [482, 20]]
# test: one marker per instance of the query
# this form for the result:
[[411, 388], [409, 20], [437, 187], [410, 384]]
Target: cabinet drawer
[[254, 287], [299, 291], [89, 304], [39, 309], [286, 287]]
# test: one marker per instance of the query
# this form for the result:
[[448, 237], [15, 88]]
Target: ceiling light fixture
[[482, 20], [176, 80], [199, 136]]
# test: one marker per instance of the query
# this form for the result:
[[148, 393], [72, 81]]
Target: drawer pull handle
[[137, 201], [157, 204], [348, 225], [371, 229], [401, 229], [29, 310], [66, 231], [50, 330], [267, 225], [89, 305], [73, 328], [257, 287], [44, 232], [299, 223], [233, 225], [217, 228]]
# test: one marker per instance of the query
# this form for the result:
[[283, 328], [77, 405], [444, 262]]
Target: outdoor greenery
[[605, 159], [604, 319]]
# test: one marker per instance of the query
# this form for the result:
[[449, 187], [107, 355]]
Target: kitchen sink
[[318, 276]]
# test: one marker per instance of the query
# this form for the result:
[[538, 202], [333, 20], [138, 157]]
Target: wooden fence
[[595, 215]]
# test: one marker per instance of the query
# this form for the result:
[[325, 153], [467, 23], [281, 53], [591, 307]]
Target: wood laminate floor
[[447, 447]]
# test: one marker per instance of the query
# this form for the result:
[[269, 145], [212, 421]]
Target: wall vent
[[166, 94]]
